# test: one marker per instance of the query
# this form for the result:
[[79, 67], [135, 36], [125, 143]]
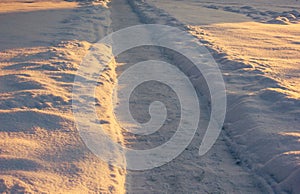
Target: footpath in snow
[[216, 172]]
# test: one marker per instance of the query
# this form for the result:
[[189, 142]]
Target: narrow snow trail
[[215, 172]]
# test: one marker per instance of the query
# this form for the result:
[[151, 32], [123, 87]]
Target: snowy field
[[255, 44], [42, 45]]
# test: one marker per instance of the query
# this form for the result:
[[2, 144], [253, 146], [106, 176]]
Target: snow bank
[[42, 45]]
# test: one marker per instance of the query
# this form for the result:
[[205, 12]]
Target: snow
[[41, 46], [255, 43], [260, 63]]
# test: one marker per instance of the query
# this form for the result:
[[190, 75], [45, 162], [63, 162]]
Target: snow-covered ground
[[41, 46], [256, 45]]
